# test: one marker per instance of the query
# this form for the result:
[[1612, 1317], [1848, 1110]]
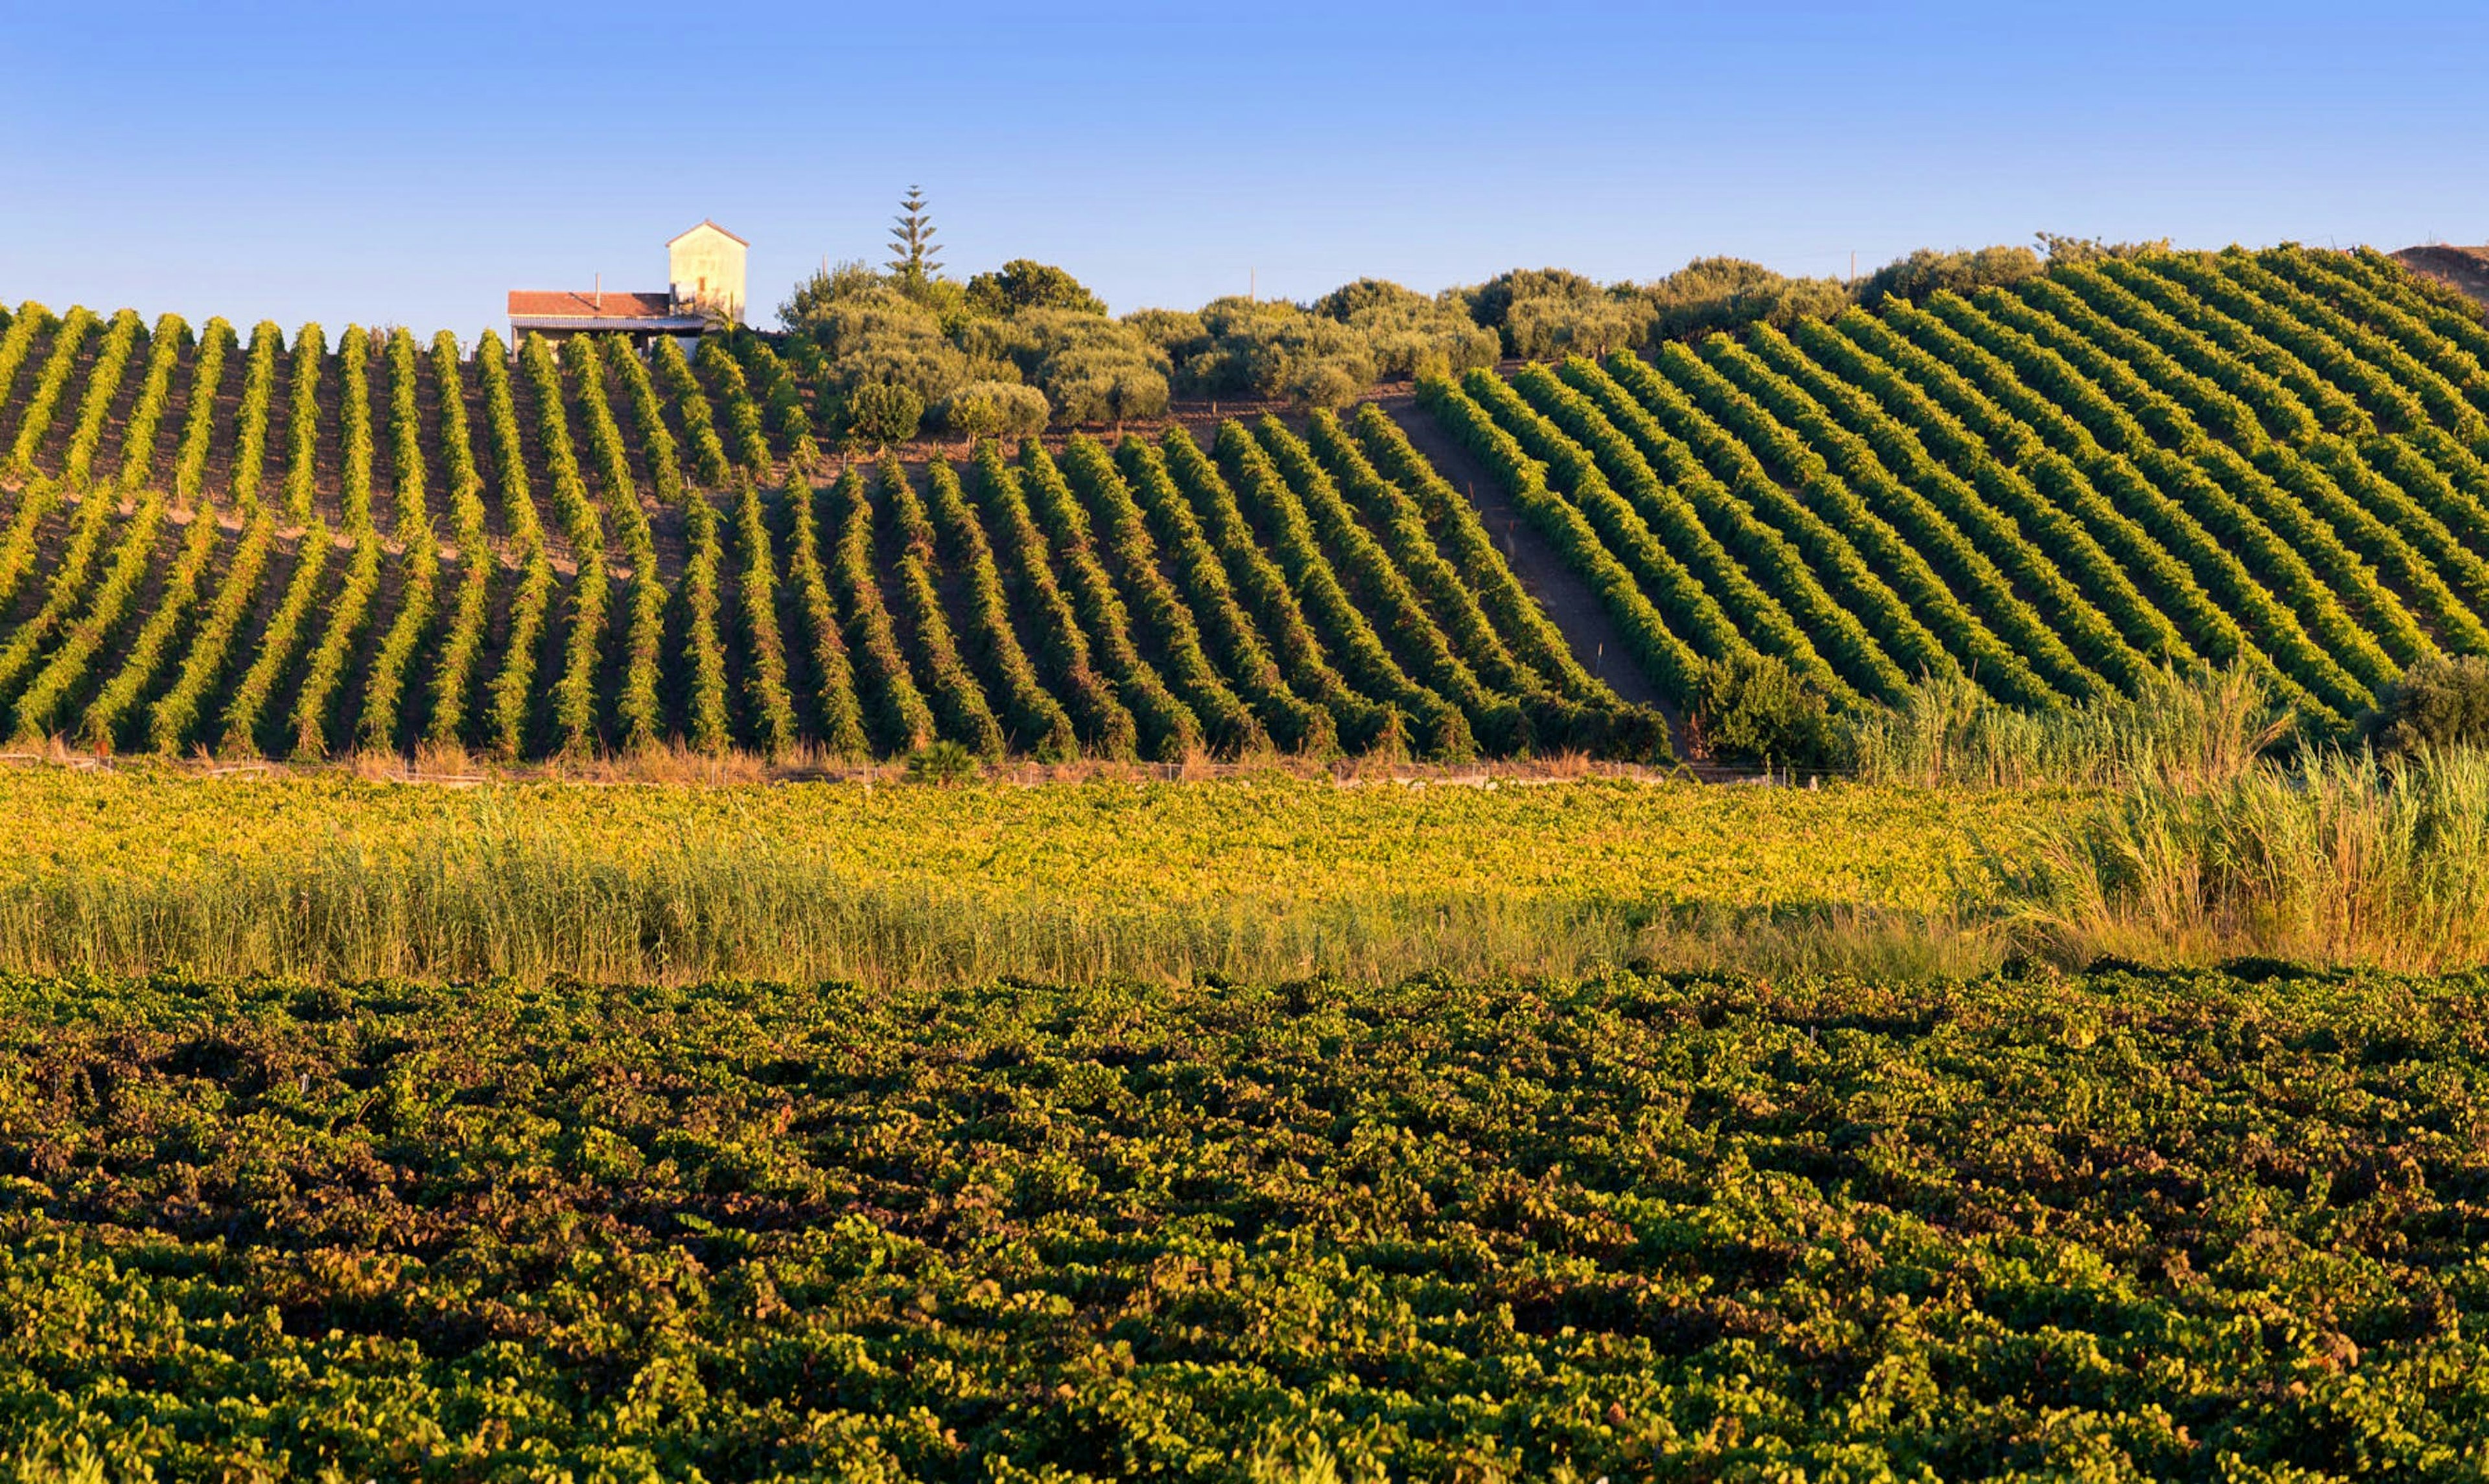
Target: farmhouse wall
[[707, 267]]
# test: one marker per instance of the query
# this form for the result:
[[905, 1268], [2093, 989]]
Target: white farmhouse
[[707, 263], [705, 289]]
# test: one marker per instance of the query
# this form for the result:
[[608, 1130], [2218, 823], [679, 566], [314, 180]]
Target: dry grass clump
[[2336, 858]]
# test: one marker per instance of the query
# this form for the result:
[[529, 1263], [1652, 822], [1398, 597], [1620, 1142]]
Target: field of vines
[[2130, 1226], [1296, 1126], [299, 547], [2275, 460]]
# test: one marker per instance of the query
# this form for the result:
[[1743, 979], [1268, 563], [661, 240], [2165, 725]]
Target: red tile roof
[[706, 222], [558, 303]]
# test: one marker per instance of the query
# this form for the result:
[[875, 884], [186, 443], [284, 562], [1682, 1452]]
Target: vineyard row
[[2052, 490], [302, 552]]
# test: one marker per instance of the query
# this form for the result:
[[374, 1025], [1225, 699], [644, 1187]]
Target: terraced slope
[[2273, 459], [301, 549]]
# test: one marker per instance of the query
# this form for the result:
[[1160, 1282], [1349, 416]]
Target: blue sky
[[336, 163]]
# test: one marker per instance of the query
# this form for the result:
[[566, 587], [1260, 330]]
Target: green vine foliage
[[2129, 1226], [2052, 489]]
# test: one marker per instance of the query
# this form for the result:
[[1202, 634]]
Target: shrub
[[2438, 702], [882, 412], [1025, 284], [1491, 303], [1927, 271], [1272, 350], [992, 410], [1550, 329], [1409, 334], [808, 307], [1091, 369], [1179, 333], [941, 763], [1548, 312], [885, 336], [1751, 707], [1324, 383], [1709, 294]]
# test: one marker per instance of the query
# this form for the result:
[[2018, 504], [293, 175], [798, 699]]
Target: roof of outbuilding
[[713, 226], [611, 304]]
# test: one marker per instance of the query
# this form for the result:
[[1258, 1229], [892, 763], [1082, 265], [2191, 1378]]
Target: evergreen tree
[[913, 260]]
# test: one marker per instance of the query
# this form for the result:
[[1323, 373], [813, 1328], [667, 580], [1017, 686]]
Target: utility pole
[[1253, 285]]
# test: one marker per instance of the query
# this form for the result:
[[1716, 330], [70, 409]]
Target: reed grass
[[2333, 858], [528, 905], [2203, 852], [2191, 728]]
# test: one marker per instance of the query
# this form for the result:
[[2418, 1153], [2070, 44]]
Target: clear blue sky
[[301, 162]]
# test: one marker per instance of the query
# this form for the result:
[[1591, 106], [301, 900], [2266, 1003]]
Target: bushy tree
[[1092, 384], [876, 413], [886, 337], [1409, 334], [1249, 348], [813, 299], [1178, 333], [1727, 293], [2061, 250], [1350, 299], [1752, 707], [1024, 283], [1548, 312], [1092, 369], [1550, 328], [1491, 303], [992, 410], [1927, 271], [2438, 702]]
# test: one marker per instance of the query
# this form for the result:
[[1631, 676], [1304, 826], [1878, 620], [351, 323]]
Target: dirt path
[[1595, 637]]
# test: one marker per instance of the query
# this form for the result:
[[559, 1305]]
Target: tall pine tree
[[913, 259]]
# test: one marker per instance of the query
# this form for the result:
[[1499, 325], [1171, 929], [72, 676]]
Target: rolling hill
[[2051, 490]]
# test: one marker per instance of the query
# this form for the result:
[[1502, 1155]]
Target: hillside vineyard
[[302, 550], [2269, 458], [266, 545]]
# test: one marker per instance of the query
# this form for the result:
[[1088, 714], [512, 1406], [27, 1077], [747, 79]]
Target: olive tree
[[1927, 271], [1024, 283], [992, 410], [1408, 333], [1546, 312], [1720, 293], [1276, 350], [1091, 369], [877, 414]]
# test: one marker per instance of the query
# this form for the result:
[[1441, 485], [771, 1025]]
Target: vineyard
[[2073, 1086], [300, 551], [2133, 1226], [2049, 491]]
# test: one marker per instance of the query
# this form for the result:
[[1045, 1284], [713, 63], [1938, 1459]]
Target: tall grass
[[2186, 729], [2333, 858], [511, 897]]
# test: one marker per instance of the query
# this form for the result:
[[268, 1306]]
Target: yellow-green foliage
[[1257, 877]]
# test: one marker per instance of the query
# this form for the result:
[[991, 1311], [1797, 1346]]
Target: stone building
[[705, 289], [707, 269]]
